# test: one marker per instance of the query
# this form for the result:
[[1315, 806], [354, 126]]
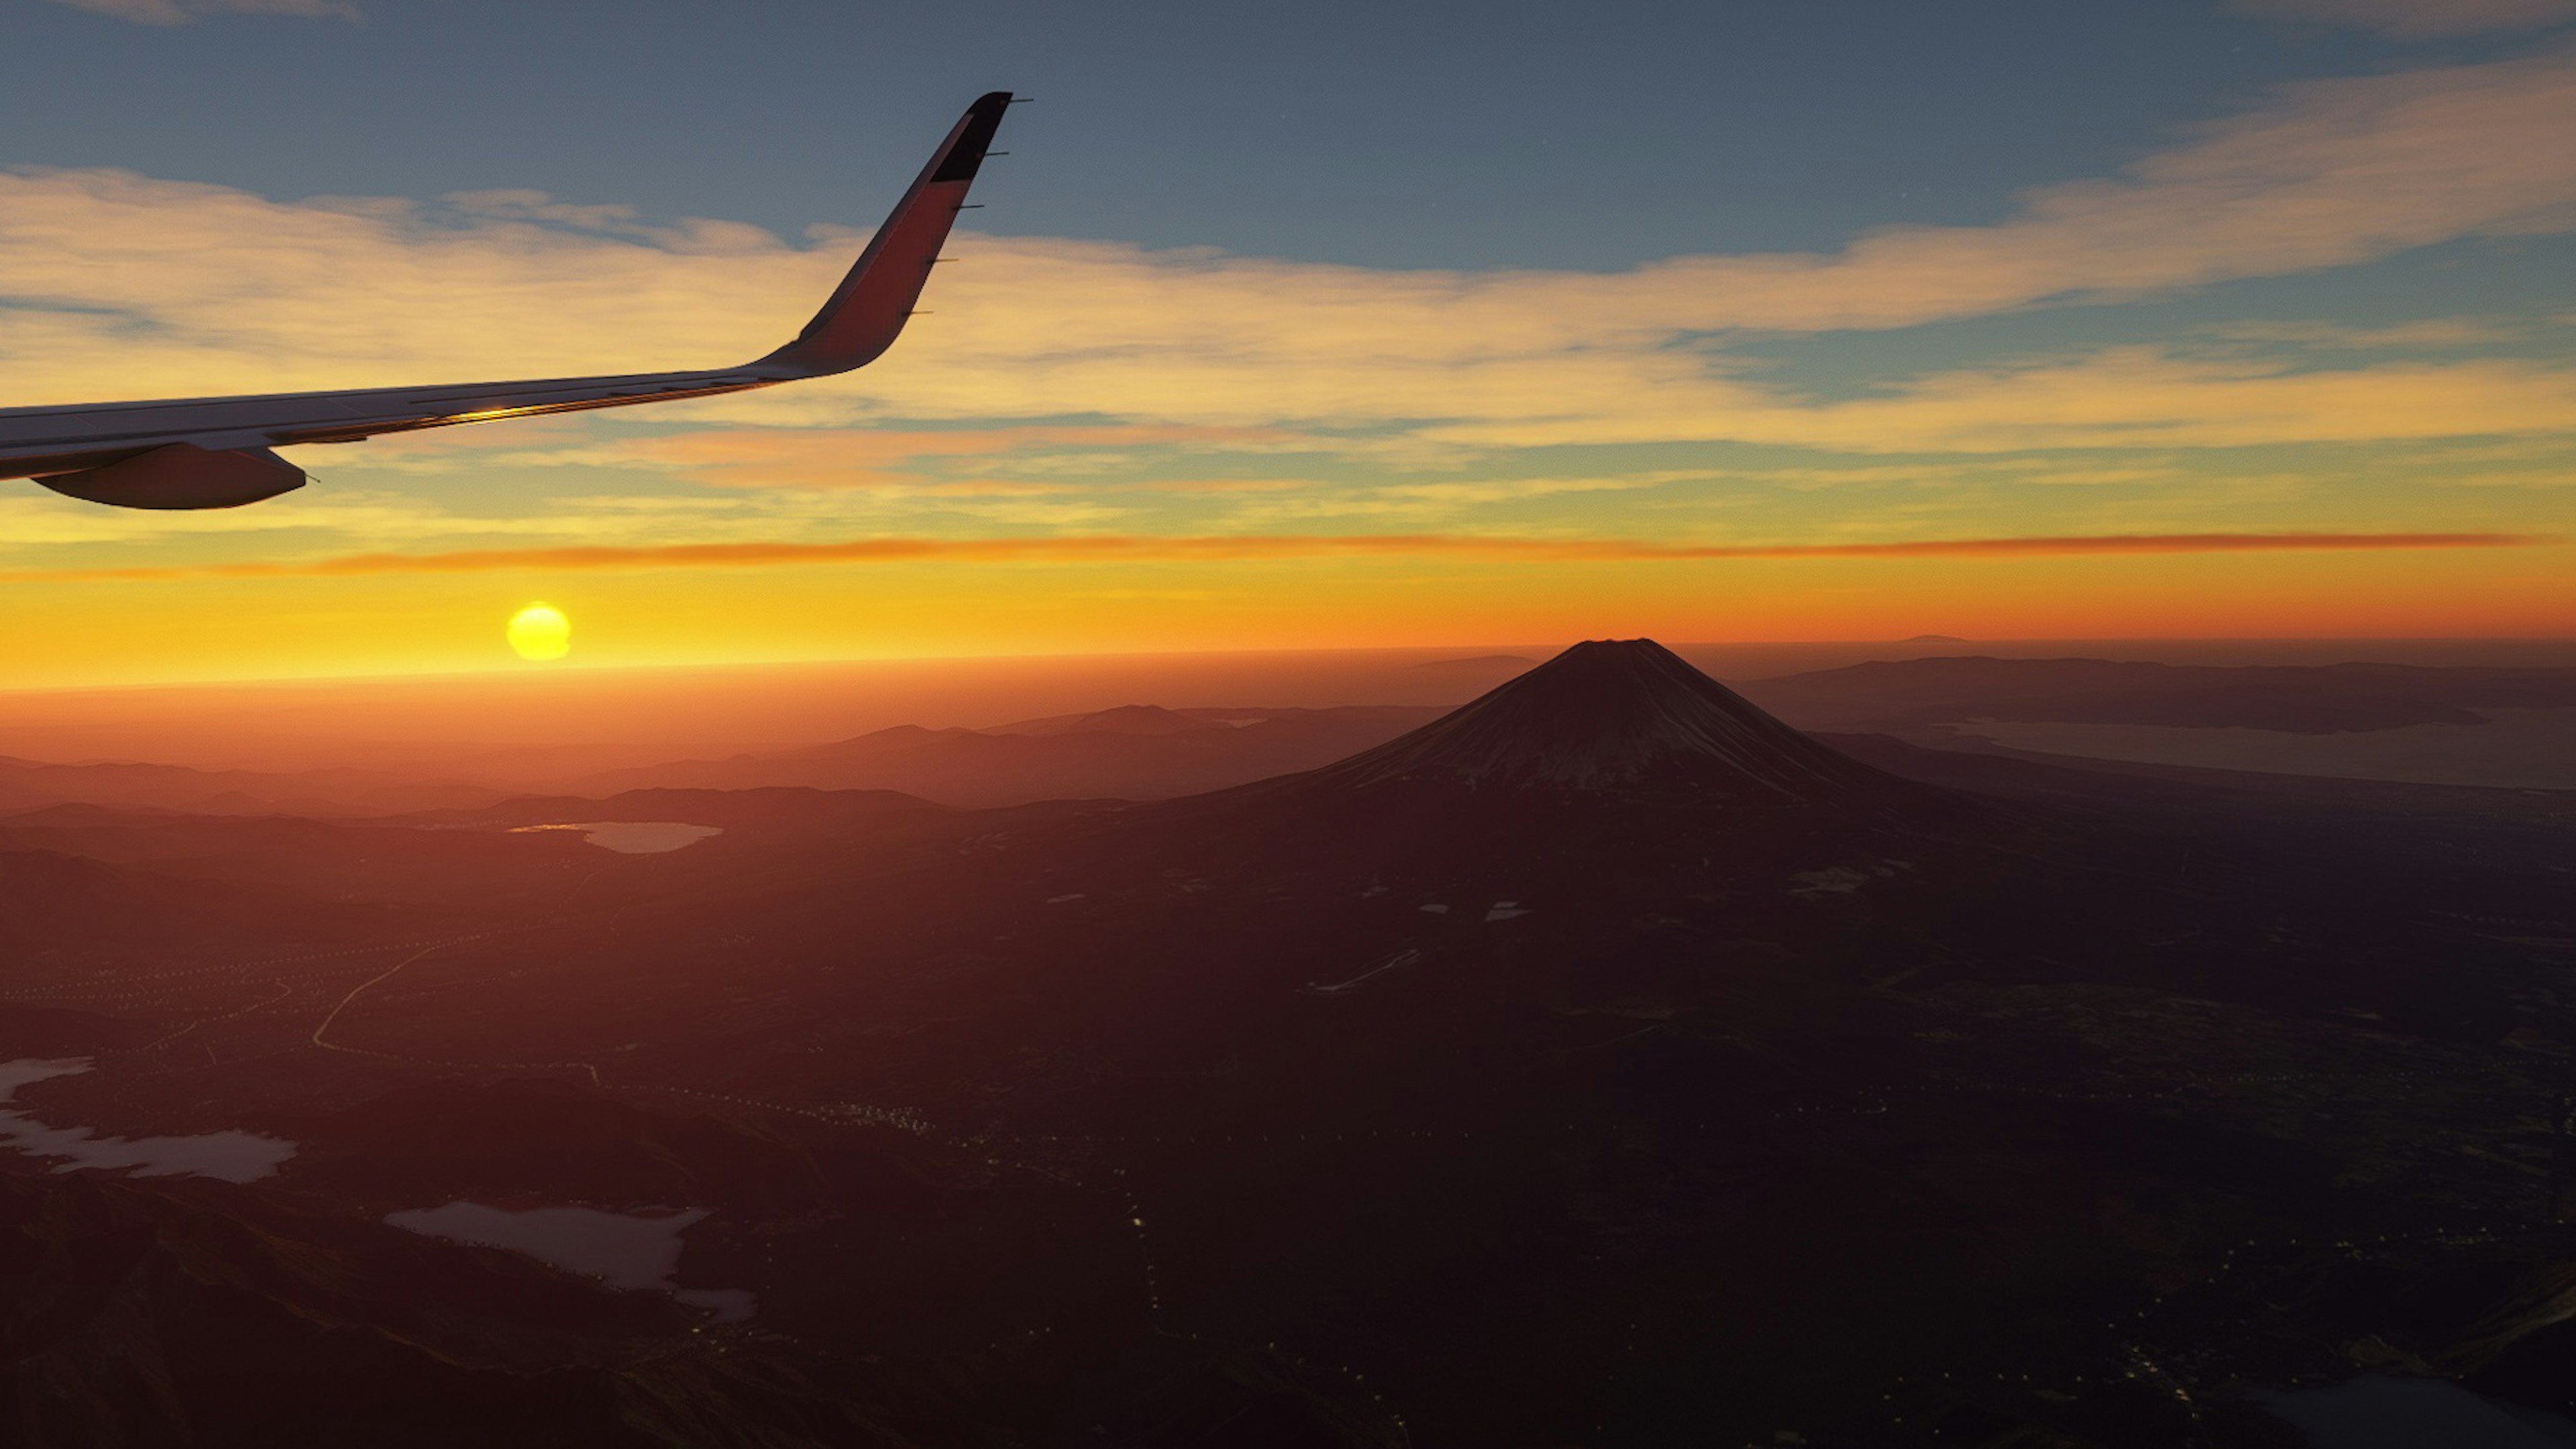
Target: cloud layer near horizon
[[1087, 548], [126, 286]]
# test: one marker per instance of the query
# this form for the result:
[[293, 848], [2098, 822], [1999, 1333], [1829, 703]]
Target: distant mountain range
[[30, 784], [2304, 699], [1147, 752], [1151, 752], [1135, 752]]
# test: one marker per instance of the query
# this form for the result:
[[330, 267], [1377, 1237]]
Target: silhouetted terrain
[[2304, 699], [2463, 724], [1601, 1063], [1137, 752], [26, 784], [2452, 725]]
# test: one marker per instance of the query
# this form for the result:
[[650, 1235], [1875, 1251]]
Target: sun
[[540, 631]]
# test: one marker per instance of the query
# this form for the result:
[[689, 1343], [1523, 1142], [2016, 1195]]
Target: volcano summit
[[1624, 716]]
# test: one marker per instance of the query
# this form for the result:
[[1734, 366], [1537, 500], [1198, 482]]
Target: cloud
[[872, 458], [2426, 333], [2418, 17], [38, 521], [180, 12], [1420, 500], [1110, 548], [126, 286], [2117, 398]]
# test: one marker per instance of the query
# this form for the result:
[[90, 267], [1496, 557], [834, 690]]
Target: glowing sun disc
[[540, 631]]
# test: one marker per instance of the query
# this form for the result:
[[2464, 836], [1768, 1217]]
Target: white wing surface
[[215, 452]]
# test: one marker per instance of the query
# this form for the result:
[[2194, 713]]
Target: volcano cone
[[1617, 716]]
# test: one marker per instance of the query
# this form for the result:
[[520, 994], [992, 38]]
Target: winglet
[[867, 311]]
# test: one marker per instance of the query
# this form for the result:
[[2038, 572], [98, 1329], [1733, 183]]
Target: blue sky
[[1558, 135]]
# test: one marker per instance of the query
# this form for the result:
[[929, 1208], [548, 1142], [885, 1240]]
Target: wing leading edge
[[215, 452]]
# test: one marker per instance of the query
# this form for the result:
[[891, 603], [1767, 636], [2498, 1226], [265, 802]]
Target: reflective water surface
[[621, 1250], [231, 1156], [633, 837]]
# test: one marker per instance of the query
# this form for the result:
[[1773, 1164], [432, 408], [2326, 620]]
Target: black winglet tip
[[974, 136]]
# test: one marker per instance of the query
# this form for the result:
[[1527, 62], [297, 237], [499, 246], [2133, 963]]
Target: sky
[[1315, 326]]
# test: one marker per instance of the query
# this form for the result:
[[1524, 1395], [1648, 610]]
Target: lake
[[230, 1156], [633, 837], [621, 1250]]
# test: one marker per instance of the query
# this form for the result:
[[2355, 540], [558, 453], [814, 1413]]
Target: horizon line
[[533, 670]]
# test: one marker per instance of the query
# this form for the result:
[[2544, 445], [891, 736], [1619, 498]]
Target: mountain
[[1127, 719], [1615, 773], [1135, 752], [1913, 694], [420, 861], [1624, 715], [761, 807], [60, 911], [32, 784]]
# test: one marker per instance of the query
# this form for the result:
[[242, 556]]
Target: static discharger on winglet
[[216, 452]]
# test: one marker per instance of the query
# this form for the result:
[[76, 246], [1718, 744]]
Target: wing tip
[[866, 312], [964, 155]]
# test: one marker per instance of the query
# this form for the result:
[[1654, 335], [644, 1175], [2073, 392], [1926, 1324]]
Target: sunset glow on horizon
[[2291, 352]]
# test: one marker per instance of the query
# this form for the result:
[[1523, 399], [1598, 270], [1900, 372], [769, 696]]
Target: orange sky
[[376, 623]]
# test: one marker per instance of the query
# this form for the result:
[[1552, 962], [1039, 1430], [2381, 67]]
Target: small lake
[[633, 837], [230, 1156], [2377, 1412], [621, 1250]]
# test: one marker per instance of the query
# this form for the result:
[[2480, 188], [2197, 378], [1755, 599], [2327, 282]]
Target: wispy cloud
[[180, 12], [2440, 333], [1133, 548], [2124, 397], [873, 458], [129, 286]]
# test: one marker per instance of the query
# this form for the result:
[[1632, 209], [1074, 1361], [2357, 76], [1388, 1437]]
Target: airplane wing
[[215, 452]]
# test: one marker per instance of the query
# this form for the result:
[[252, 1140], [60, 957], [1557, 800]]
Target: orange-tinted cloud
[[128, 286], [2120, 398], [1112, 548], [873, 457]]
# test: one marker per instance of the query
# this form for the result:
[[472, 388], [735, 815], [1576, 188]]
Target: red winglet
[[867, 311]]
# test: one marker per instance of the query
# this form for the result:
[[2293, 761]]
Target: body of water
[[231, 1156], [2377, 1412], [621, 1250], [634, 837]]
